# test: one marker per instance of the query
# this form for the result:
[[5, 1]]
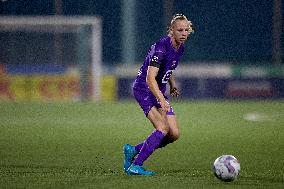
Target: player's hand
[[165, 106], [174, 92]]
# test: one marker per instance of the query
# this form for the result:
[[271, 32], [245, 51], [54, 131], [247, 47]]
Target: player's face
[[180, 31]]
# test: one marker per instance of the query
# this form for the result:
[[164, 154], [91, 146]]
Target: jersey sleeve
[[157, 55]]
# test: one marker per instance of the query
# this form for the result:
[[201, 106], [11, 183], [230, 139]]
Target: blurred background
[[67, 50]]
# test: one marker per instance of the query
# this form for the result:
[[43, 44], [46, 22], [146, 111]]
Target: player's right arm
[[154, 88]]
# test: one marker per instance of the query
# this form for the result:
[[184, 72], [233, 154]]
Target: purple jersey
[[166, 57]]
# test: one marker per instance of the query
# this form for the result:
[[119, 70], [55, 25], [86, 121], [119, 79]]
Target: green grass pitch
[[79, 145]]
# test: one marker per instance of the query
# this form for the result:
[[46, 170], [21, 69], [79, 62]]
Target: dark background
[[225, 31]]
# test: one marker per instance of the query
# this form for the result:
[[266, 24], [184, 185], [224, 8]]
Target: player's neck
[[175, 44]]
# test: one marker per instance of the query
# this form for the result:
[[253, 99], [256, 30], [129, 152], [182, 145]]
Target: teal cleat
[[139, 170], [129, 154]]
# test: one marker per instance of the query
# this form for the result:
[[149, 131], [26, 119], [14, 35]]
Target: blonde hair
[[180, 17]]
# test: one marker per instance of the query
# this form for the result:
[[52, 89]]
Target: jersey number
[[167, 76]]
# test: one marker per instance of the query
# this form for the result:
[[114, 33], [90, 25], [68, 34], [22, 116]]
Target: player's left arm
[[173, 87]]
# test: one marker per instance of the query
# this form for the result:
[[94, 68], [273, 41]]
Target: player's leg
[[159, 121], [160, 126], [174, 132], [146, 101], [171, 137]]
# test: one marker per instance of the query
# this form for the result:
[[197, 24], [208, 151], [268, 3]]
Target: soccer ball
[[226, 168]]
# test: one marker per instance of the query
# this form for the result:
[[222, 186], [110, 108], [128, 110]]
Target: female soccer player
[[149, 90]]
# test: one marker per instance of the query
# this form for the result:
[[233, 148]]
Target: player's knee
[[164, 130], [160, 124], [163, 127], [176, 136]]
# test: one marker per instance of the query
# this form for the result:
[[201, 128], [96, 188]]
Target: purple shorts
[[147, 100]]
